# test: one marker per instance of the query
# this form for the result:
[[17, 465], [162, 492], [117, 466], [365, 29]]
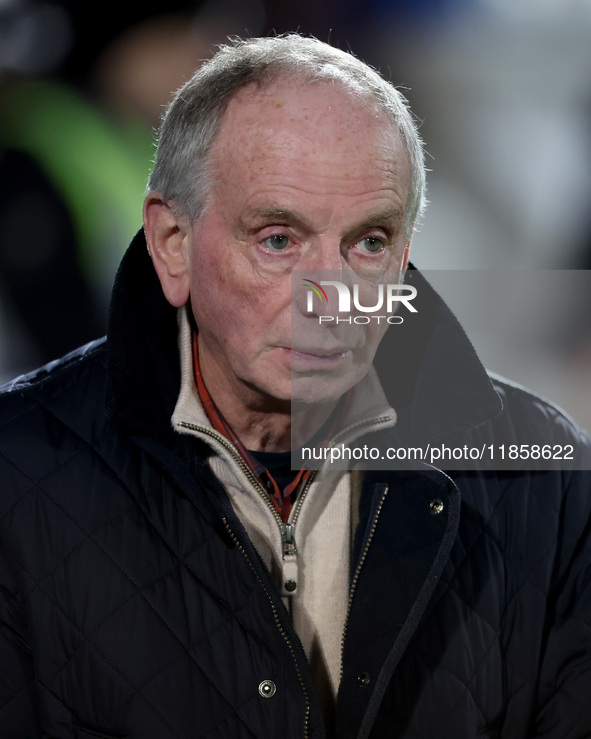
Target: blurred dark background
[[502, 91]]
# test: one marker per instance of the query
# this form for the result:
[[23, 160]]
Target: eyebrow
[[270, 212], [389, 219]]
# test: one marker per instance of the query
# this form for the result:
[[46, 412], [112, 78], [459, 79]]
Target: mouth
[[317, 356]]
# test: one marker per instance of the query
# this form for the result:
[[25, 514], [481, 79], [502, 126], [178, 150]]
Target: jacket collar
[[143, 371], [429, 370]]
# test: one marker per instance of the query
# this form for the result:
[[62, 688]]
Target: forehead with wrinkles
[[307, 127]]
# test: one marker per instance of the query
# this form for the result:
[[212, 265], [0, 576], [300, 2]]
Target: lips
[[317, 358], [321, 352]]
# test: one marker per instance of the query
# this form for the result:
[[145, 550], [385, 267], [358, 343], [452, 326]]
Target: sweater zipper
[[356, 427], [287, 530], [241, 463], [277, 623], [289, 550], [358, 570]]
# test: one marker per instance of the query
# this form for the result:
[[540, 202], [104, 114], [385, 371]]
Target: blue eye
[[279, 242], [370, 244]]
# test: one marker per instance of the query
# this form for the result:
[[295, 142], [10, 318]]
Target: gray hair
[[191, 123]]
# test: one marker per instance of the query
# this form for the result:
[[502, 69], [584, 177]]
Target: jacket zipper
[[277, 623], [358, 570]]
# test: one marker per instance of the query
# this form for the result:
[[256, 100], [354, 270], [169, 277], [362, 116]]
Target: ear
[[406, 256], [166, 236]]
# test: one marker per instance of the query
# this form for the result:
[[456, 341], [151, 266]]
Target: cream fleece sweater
[[320, 521]]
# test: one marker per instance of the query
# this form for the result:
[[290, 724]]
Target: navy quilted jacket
[[132, 603]]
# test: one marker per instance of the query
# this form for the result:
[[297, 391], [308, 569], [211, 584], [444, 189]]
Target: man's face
[[304, 178]]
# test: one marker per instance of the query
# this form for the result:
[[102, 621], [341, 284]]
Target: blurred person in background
[[81, 95]]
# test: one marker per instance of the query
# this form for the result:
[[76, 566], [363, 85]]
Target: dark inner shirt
[[278, 465]]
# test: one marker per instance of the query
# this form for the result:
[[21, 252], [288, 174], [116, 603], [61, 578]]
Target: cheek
[[374, 333], [232, 302], [223, 277], [228, 312]]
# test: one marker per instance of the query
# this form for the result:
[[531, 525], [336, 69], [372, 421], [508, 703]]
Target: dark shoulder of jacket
[[527, 415], [36, 409], [60, 372]]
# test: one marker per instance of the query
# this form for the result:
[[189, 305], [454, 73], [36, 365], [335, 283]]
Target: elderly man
[[164, 573]]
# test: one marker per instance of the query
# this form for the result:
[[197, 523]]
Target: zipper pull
[[289, 579], [288, 539]]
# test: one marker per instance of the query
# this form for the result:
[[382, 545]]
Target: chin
[[272, 393], [318, 390]]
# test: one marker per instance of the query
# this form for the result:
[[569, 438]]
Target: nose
[[324, 255], [323, 261]]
